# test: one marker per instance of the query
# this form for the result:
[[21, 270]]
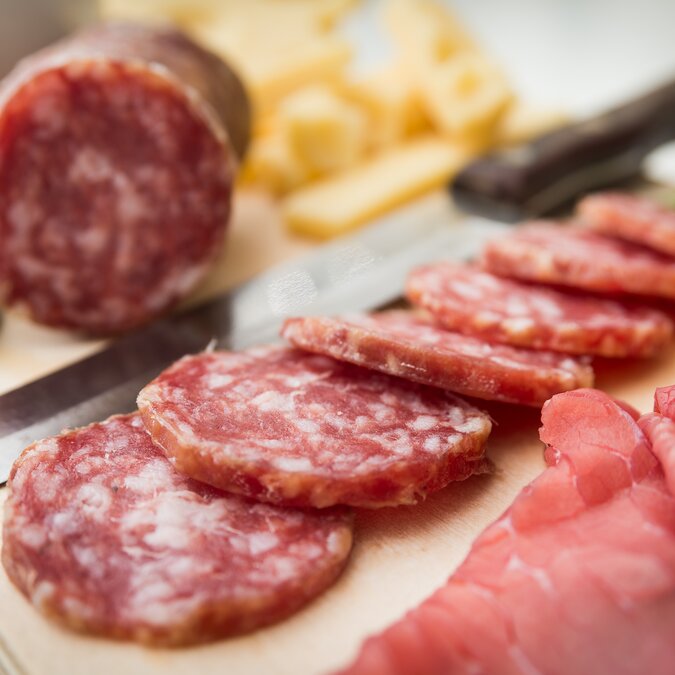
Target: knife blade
[[354, 273], [358, 272]]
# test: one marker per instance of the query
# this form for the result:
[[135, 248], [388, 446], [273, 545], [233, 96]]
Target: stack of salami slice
[[223, 503]]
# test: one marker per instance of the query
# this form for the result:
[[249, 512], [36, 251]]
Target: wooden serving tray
[[400, 555]]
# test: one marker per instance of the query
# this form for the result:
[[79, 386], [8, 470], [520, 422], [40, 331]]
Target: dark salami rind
[[472, 301], [630, 217], [294, 428], [571, 256], [103, 535], [116, 170], [411, 346]]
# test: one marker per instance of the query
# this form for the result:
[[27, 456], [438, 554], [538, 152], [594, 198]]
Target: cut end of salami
[[294, 428], [578, 576], [115, 178], [630, 217], [103, 535], [550, 253], [410, 346], [472, 301]]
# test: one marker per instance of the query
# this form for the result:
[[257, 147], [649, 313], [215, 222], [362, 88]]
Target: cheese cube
[[325, 132], [392, 106], [339, 203], [425, 32], [272, 165], [465, 97]]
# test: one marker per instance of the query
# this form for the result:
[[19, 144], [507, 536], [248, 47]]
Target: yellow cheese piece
[[465, 96], [272, 165], [337, 204], [425, 32], [275, 60], [392, 106], [325, 132], [522, 121]]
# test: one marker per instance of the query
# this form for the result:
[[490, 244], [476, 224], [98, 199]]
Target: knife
[[354, 273]]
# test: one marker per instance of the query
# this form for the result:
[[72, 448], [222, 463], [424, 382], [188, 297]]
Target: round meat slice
[[469, 300], [103, 535], [572, 256], [413, 347], [118, 149], [630, 217], [294, 428]]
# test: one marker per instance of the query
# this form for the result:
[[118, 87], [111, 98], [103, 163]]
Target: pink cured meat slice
[[103, 535], [293, 428], [630, 217], [471, 301], [571, 256], [118, 149], [407, 345], [578, 576], [664, 401]]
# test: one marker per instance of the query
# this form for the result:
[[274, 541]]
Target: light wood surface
[[400, 555]]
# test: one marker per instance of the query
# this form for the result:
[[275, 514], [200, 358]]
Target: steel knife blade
[[353, 273]]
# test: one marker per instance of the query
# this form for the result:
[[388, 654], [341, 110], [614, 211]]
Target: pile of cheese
[[340, 149]]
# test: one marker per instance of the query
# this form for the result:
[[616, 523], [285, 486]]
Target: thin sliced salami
[[103, 535], [118, 149], [471, 301], [578, 576], [294, 428], [571, 256], [630, 217], [413, 347]]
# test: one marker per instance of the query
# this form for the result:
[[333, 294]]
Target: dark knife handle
[[540, 176]]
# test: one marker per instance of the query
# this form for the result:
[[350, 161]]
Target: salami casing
[[103, 535], [118, 148], [294, 428]]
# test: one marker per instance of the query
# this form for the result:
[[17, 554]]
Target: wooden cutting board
[[400, 555]]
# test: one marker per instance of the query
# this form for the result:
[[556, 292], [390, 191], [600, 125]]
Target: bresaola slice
[[571, 256], [578, 576], [630, 217], [102, 534], [471, 301], [294, 428], [410, 346]]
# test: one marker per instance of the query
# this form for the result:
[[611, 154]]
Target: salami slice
[[103, 535], [578, 576], [118, 148], [469, 300], [293, 428], [571, 256], [411, 346], [630, 217]]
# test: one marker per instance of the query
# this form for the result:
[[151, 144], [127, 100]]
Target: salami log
[[411, 346], [630, 217], [571, 256], [578, 576], [118, 148], [469, 300], [293, 428], [103, 535]]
